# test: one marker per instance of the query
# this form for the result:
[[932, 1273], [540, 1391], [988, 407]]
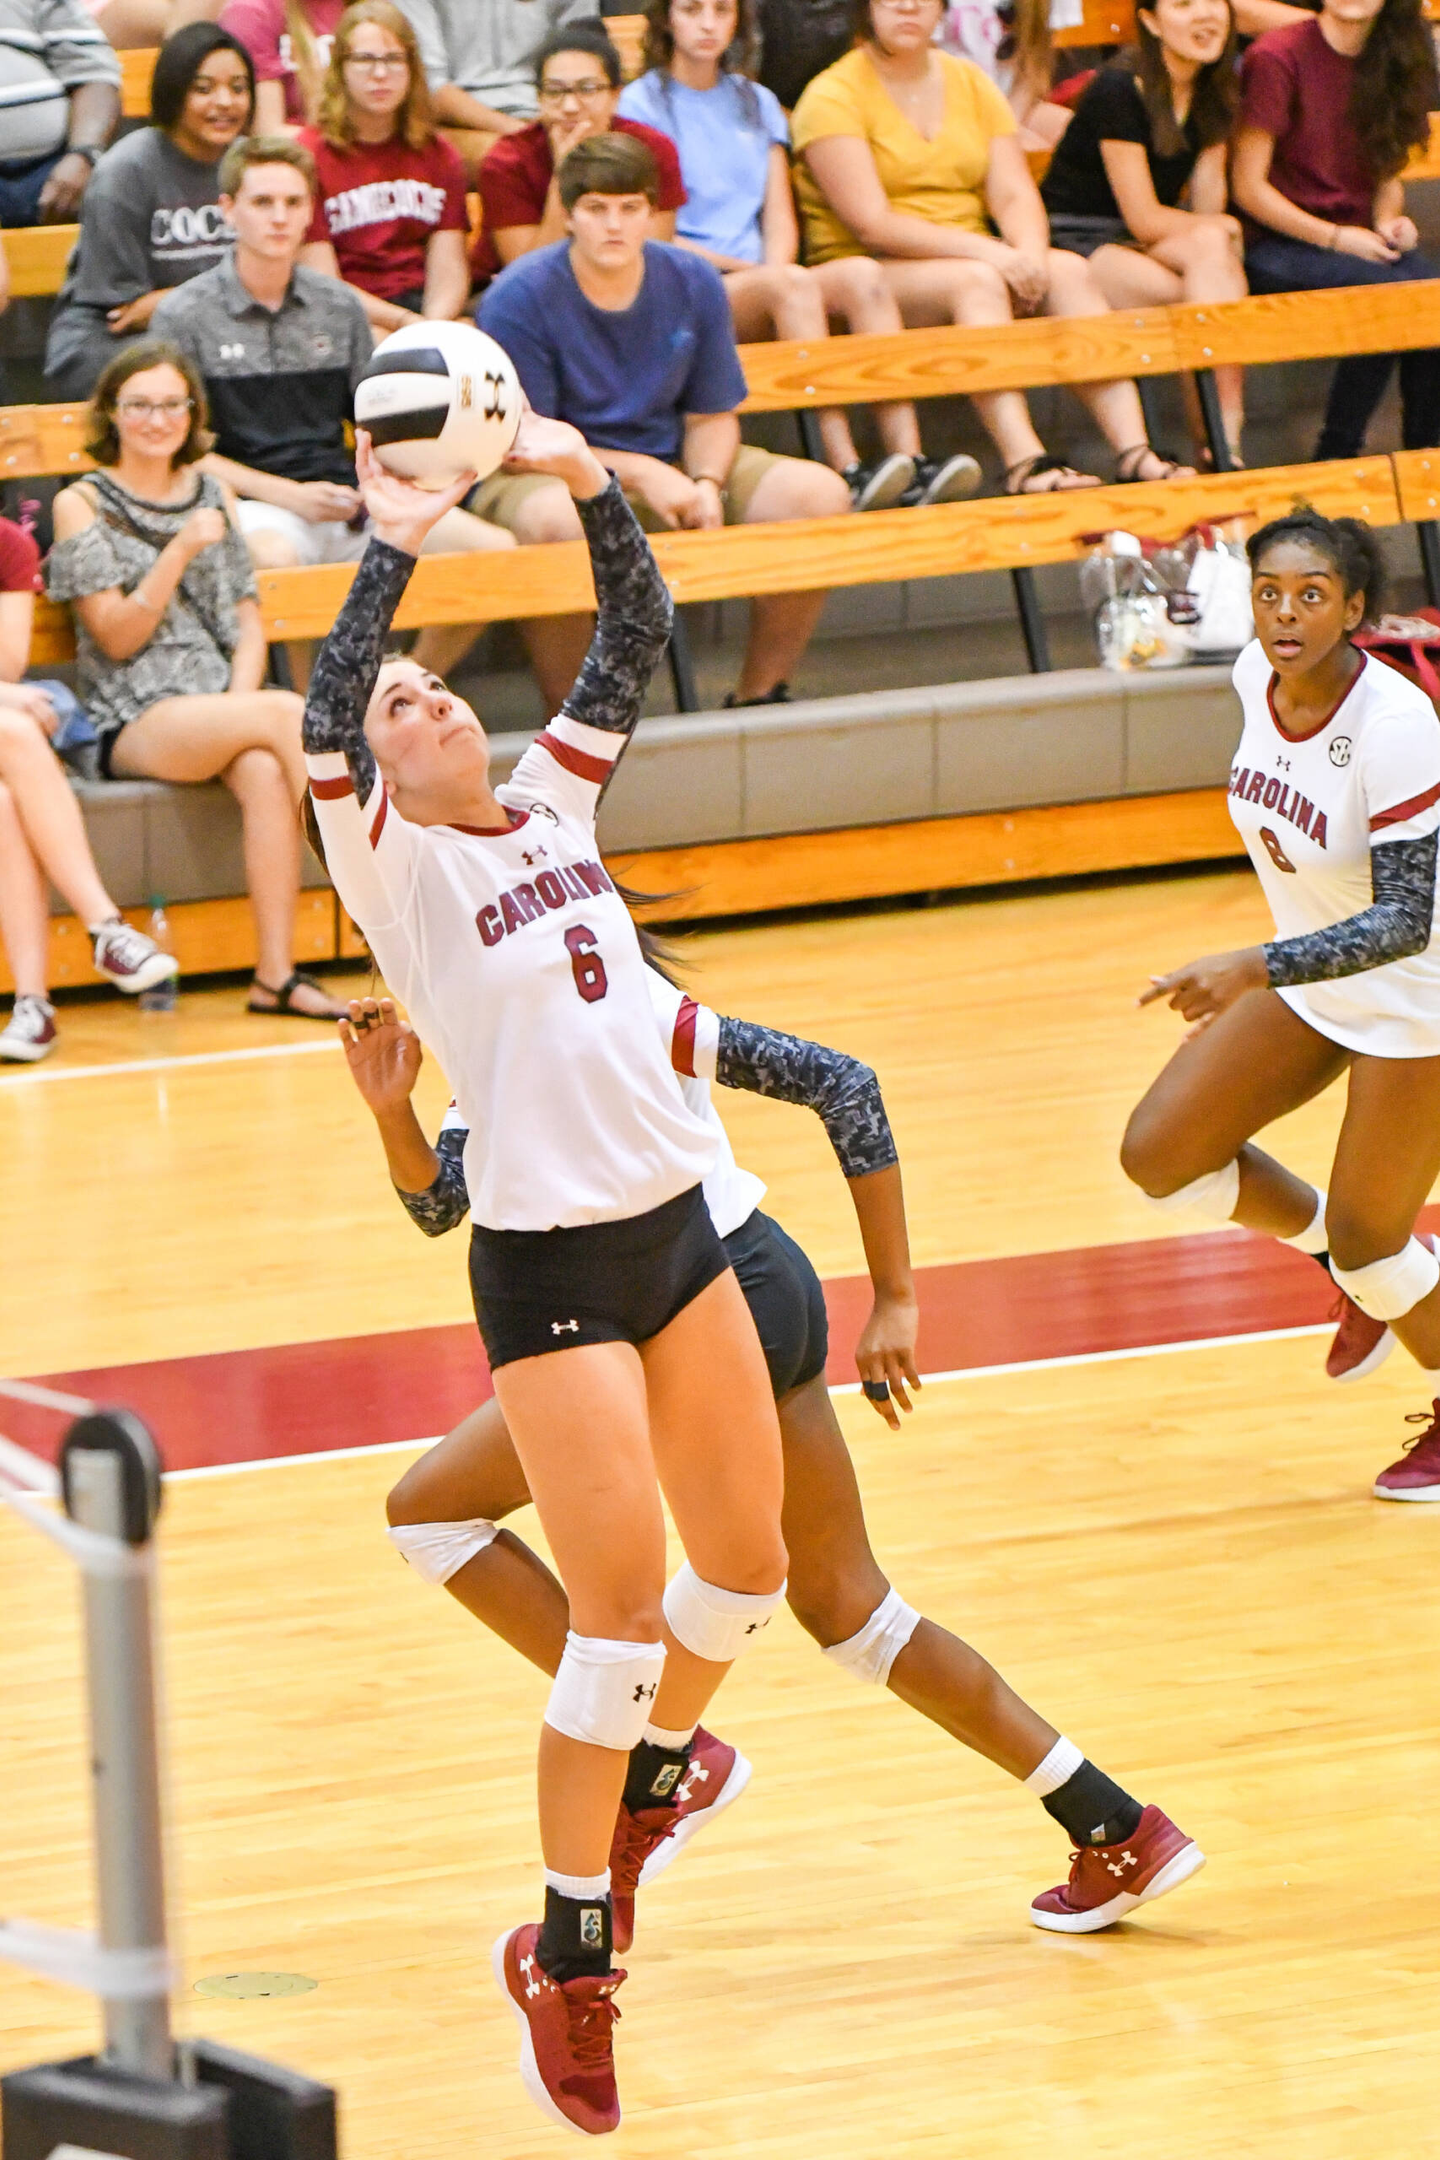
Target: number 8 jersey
[[519, 966], [1311, 809]]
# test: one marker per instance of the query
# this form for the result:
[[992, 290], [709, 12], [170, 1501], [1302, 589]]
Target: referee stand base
[[239, 2108]]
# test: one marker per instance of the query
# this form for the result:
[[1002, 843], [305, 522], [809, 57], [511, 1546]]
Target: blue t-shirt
[[626, 377], [724, 137]]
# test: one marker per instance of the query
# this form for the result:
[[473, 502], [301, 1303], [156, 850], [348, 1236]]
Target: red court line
[[366, 1390]]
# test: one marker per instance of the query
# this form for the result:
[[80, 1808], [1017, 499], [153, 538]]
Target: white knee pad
[[1213, 1196], [604, 1691], [870, 1653], [1388, 1289], [713, 1623], [438, 1550]]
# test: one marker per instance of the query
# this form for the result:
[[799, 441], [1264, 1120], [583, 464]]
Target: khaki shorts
[[499, 498]]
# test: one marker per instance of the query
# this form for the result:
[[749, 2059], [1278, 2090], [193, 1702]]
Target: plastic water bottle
[[161, 996]]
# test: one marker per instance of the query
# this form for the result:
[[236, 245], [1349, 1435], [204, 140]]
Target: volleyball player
[[445, 1509], [618, 1337], [1335, 791]]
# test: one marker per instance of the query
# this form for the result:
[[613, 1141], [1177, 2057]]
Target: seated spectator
[[1010, 39], [577, 82], [740, 215], [477, 56], [42, 834], [280, 349], [390, 216], [1330, 109], [60, 94], [630, 341], [289, 42], [151, 216], [1137, 182], [170, 645], [908, 154]]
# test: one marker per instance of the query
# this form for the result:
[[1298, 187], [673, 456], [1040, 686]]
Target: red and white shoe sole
[[1406, 1492], [530, 2076], [1185, 1863], [741, 1773], [159, 968], [1369, 1364]]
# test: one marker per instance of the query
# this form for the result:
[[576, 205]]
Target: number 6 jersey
[[1310, 812]]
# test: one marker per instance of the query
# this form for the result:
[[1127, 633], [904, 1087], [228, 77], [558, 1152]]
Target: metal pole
[[1428, 534], [1032, 621], [110, 1474], [1215, 436]]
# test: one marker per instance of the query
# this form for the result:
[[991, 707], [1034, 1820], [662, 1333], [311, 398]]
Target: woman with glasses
[[390, 216], [170, 647]]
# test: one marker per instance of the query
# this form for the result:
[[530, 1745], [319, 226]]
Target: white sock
[[1313, 1238], [658, 1736], [578, 1886], [1059, 1766]]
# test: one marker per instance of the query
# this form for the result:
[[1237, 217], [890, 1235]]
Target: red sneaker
[[566, 2057], [646, 1842], [1108, 1881], [1361, 1344], [1416, 1476]]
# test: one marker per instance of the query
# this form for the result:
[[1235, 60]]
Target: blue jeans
[[1275, 264], [20, 189]]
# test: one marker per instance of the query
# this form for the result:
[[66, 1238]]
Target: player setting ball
[[439, 399]]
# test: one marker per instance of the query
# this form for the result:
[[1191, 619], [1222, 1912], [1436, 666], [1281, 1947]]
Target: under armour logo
[[643, 1693], [530, 856], [232, 352], [527, 1974], [694, 1777], [558, 1327], [1118, 1867], [756, 1625]]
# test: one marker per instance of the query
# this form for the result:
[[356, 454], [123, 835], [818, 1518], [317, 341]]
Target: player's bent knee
[[872, 1650], [439, 1550], [1214, 1196], [716, 1624], [1388, 1289], [605, 1690]]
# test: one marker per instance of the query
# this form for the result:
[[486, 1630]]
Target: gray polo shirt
[[281, 382], [484, 46], [47, 49]]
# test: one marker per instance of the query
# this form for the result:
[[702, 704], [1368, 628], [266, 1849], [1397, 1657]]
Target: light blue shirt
[[724, 137]]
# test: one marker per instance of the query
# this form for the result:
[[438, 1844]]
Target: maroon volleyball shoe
[[567, 2060], [1108, 1881], [1361, 1344], [1416, 1476], [647, 1841]]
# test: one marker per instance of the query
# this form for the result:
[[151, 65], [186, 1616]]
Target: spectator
[[477, 60], [1151, 130], [577, 83], [280, 349], [630, 341], [60, 94], [904, 152], [289, 42], [152, 214], [170, 646], [390, 215], [1330, 109], [42, 835], [739, 214], [1010, 39]]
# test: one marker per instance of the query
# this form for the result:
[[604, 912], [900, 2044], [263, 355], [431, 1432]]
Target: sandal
[[285, 1006], [1207, 461], [1127, 466], [1063, 478]]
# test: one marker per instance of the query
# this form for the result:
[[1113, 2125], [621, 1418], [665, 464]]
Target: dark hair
[[102, 439], [864, 26], [1213, 99], [588, 35], [741, 57], [1348, 545], [608, 165], [180, 61], [1394, 87]]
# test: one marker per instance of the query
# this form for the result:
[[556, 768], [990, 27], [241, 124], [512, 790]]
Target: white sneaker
[[31, 1033], [129, 959]]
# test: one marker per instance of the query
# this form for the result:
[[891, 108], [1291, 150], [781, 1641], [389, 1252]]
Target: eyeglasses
[[556, 93], [144, 408], [378, 63]]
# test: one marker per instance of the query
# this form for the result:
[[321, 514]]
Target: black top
[[1111, 110]]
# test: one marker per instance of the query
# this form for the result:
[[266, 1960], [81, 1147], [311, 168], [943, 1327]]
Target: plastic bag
[[1161, 604]]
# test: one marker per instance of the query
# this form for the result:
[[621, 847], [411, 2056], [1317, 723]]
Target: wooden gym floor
[[1170, 1549]]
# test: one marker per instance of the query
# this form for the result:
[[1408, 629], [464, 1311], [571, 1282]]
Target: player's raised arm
[[384, 1057]]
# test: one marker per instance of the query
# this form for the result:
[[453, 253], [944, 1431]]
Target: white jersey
[[1310, 811], [690, 1034], [520, 968]]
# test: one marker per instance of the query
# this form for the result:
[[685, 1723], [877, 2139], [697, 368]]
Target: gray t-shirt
[[151, 218], [484, 46], [47, 48]]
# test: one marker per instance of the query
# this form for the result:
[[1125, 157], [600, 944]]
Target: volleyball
[[439, 399]]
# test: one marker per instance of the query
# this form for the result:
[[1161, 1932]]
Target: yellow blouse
[[943, 180]]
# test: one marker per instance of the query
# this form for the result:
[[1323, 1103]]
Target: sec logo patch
[[1340, 750]]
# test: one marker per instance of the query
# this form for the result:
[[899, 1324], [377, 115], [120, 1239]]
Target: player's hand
[[885, 1356], [382, 1051], [1203, 989], [549, 446], [400, 512]]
